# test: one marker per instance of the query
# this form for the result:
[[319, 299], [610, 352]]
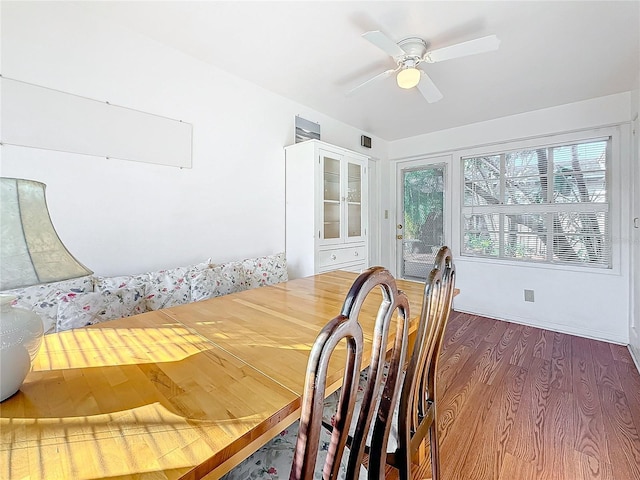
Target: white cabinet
[[326, 209]]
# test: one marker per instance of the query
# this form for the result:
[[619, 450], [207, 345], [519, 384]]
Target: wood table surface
[[182, 393]]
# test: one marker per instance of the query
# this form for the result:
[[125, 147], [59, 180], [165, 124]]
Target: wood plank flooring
[[520, 403]]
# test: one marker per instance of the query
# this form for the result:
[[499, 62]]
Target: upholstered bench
[[92, 299]]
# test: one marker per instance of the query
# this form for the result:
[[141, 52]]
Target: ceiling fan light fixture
[[408, 77]]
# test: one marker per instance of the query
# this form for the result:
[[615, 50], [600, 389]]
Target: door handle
[[636, 222]]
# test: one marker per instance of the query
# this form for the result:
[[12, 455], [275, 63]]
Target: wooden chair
[[378, 398], [415, 414]]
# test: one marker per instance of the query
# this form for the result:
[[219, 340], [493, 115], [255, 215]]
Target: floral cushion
[[331, 405], [80, 310], [219, 280], [167, 288], [274, 460], [159, 286], [267, 270], [107, 284], [202, 285], [43, 299]]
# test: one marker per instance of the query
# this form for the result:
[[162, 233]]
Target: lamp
[[408, 77], [30, 253], [30, 250]]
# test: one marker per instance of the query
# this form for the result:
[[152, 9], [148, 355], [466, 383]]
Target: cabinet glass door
[[354, 200], [331, 200]]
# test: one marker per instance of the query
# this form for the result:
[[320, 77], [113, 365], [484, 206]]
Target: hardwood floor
[[520, 403]]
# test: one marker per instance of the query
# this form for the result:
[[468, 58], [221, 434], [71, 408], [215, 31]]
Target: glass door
[[344, 199], [420, 229], [354, 200], [331, 202]]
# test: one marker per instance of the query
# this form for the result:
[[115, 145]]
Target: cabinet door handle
[[355, 254], [333, 257], [636, 222]]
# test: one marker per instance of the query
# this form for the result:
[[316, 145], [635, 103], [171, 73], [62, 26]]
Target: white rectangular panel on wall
[[39, 117]]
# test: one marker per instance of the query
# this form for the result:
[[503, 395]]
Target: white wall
[[581, 301], [125, 217]]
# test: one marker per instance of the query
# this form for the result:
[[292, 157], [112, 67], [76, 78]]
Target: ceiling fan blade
[[380, 76], [479, 45], [428, 89], [384, 43]]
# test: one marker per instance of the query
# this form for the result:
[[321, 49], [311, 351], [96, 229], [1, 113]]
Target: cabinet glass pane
[[354, 196], [355, 220], [331, 220], [354, 187], [331, 179]]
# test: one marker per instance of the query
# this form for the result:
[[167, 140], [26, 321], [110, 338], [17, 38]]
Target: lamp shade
[[408, 77], [30, 250]]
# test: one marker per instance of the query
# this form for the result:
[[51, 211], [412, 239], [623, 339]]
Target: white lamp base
[[21, 334]]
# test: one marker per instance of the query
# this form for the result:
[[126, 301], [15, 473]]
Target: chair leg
[[435, 456], [403, 464]]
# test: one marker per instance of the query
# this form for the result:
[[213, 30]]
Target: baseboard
[[635, 355], [634, 346], [554, 327]]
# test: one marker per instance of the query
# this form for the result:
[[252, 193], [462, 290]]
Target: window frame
[[612, 183]]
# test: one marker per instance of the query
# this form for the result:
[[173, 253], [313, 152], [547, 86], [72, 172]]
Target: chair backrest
[[418, 391], [346, 326]]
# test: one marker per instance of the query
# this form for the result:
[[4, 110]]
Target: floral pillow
[[219, 280], [107, 284], [167, 288], [202, 285], [43, 299], [81, 310], [267, 270]]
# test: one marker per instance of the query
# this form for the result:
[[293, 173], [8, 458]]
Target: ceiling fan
[[411, 54]]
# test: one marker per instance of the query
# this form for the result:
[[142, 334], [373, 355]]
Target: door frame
[[634, 304], [398, 200], [374, 230]]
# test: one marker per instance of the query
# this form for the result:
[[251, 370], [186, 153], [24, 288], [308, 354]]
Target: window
[[546, 204]]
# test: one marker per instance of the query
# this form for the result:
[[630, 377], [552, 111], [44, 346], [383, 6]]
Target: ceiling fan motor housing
[[415, 49]]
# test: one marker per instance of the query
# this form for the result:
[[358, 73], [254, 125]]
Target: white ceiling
[[551, 53]]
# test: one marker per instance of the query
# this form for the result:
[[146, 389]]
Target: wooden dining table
[[186, 392]]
